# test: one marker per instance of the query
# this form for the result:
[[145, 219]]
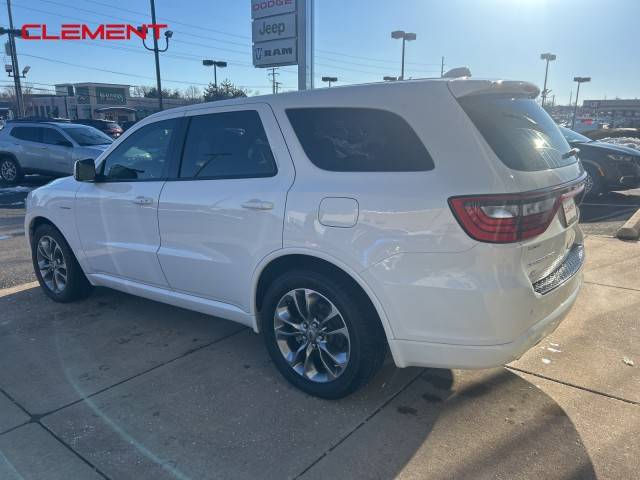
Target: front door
[[224, 211], [58, 152], [117, 216]]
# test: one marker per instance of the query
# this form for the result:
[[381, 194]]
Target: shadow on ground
[[142, 390]]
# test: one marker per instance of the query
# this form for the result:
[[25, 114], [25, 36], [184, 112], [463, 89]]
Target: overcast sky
[[494, 38]]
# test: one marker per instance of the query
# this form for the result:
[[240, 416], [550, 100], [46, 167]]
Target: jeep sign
[[274, 28], [267, 8], [275, 53]]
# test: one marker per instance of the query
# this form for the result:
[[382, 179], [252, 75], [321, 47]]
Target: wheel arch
[[277, 264], [38, 220]]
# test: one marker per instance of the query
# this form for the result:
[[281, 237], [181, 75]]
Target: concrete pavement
[[120, 387]]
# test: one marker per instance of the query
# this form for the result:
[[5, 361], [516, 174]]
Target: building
[[95, 100], [617, 113]]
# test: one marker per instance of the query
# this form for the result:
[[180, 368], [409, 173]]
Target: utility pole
[[14, 62], [274, 83], [442, 68], [570, 97], [156, 51]]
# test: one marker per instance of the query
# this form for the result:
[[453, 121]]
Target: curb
[[631, 229]]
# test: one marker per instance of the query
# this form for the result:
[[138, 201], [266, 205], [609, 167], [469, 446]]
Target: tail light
[[509, 218]]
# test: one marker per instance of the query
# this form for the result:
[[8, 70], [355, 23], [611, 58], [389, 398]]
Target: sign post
[[282, 34]]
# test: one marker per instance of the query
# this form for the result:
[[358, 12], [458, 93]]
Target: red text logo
[[80, 31]]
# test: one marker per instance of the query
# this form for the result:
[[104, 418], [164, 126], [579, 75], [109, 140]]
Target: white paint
[[444, 299], [554, 350], [546, 361]]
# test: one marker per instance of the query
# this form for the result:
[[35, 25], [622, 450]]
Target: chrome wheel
[[312, 335], [588, 183], [52, 265], [8, 171]]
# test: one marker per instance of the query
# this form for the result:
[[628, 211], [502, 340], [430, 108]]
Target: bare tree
[[193, 94]]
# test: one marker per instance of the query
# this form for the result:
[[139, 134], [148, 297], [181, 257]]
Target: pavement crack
[[357, 427], [612, 286], [573, 385]]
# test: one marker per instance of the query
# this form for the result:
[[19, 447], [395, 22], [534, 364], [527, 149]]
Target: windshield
[[520, 132], [88, 136], [572, 136]]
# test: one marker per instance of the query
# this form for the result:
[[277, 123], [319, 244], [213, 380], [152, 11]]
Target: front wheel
[[56, 268], [323, 336], [10, 171], [593, 183]]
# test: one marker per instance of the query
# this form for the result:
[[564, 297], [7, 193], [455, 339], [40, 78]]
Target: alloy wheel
[[52, 264], [588, 183], [8, 171], [312, 335]]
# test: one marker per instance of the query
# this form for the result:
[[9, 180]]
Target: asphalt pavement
[[120, 387]]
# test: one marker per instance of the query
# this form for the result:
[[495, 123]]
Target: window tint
[[52, 137], [519, 131], [227, 145], [359, 140], [32, 134], [143, 155]]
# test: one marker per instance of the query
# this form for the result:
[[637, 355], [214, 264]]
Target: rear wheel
[[322, 335], [10, 170], [56, 268], [593, 183]]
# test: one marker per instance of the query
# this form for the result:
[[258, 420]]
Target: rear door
[[32, 150], [223, 211], [527, 141]]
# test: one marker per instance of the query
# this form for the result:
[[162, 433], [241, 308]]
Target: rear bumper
[[409, 353]]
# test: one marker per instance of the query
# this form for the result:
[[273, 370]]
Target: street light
[[579, 80], [167, 35], [330, 80], [215, 64], [389, 79], [406, 37], [549, 57]]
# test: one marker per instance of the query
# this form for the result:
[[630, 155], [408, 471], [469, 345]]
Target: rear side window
[[227, 145], [359, 140], [520, 132], [52, 137], [31, 134]]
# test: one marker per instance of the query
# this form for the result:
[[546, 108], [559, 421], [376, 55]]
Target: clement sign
[[80, 31]]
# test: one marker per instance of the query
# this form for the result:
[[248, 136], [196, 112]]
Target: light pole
[[167, 35], [578, 80], [329, 80], [14, 60], [406, 37], [549, 57], [215, 64]]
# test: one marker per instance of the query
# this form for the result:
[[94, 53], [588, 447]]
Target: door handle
[[257, 205], [142, 200]]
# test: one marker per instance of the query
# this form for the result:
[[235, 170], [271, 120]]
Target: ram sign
[[275, 53]]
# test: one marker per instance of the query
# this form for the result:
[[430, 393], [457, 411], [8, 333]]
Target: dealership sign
[[79, 31], [275, 35]]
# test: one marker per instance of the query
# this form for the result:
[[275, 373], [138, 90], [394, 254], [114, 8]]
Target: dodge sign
[[266, 8]]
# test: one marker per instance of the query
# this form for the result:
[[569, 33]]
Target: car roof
[[62, 125]]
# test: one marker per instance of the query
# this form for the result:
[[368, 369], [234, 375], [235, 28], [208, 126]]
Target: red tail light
[[510, 217]]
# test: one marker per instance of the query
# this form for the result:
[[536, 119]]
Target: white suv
[[435, 217]]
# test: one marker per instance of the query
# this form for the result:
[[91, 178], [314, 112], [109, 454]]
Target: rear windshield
[[519, 131]]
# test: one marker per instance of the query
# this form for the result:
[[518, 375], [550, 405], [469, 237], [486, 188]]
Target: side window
[[359, 140], [143, 155], [227, 145], [31, 134], [52, 137]]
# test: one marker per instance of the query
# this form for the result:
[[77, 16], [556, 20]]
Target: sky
[[494, 38]]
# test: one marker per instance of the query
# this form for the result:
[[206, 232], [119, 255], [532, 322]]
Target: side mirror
[[85, 170], [64, 143]]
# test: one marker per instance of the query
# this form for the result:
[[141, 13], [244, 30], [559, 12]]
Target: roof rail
[[39, 120]]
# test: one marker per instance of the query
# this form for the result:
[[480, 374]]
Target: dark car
[[108, 127], [126, 125], [609, 167]]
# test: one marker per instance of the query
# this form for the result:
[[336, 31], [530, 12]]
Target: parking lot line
[[18, 288]]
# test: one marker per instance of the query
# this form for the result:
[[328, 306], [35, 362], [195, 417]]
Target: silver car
[[46, 148]]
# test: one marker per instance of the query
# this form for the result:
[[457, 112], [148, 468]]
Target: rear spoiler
[[464, 88]]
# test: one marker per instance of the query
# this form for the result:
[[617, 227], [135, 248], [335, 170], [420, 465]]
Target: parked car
[[336, 222], [128, 124], [609, 167], [47, 148], [108, 127]]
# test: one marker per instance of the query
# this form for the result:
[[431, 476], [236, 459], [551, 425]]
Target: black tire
[[10, 171], [76, 286], [366, 335], [597, 182]]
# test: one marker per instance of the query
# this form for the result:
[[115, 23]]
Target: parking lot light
[[406, 37], [578, 80], [329, 80], [215, 64]]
